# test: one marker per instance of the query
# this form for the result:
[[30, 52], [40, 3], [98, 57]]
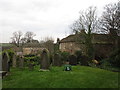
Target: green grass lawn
[[80, 77]]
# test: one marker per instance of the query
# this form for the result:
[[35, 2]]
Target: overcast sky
[[43, 17]]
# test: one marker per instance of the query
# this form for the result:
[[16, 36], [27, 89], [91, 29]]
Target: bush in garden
[[72, 60], [29, 55], [65, 56], [105, 64], [35, 59], [78, 55], [84, 60], [114, 58]]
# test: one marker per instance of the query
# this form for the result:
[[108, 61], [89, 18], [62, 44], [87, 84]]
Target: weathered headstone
[[45, 62], [5, 62], [21, 62], [57, 60], [20, 59], [14, 63], [72, 60]]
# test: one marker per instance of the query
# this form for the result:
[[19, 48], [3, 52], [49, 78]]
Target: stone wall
[[31, 50], [69, 47]]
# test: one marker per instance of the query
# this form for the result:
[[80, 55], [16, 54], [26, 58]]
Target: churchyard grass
[[79, 77]]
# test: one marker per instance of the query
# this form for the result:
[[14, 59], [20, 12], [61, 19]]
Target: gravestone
[[5, 62], [57, 60], [21, 61], [14, 63], [72, 60], [45, 62]]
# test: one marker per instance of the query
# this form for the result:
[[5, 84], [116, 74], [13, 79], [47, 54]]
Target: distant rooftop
[[97, 38]]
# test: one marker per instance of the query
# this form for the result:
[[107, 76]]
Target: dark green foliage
[[84, 60], [29, 55], [65, 56], [31, 58], [112, 63], [78, 55], [105, 64], [72, 60], [114, 58]]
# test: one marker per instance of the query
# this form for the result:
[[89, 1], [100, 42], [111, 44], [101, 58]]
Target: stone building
[[32, 48], [103, 44], [29, 48]]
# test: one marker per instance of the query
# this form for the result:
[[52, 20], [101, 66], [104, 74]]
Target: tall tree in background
[[87, 21], [29, 36], [48, 43], [110, 21], [111, 17], [16, 39]]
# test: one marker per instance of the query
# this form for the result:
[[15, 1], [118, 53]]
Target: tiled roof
[[97, 38]]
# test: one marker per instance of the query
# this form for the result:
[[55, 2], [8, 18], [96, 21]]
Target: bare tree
[[111, 17], [23, 41], [29, 36], [16, 39], [87, 21]]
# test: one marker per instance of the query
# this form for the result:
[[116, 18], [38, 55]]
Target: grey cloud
[[43, 17]]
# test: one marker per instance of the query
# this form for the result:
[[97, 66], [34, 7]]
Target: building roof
[[97, 38], [70, 38]]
